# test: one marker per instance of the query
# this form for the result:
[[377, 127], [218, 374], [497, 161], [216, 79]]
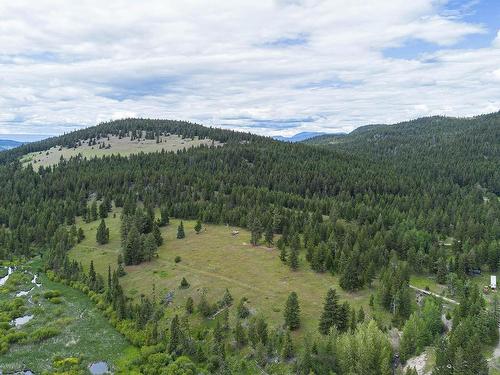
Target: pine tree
[[330, 312], [149, 247], [294, 260], [120, 270], [227, 299], [157, 234], [92, 276], [242, 310], [189, 305], [361, 315], [292, 312], [80, 235], [164, 219], [239, 334], [204, 307], [132, 251], [103, 211], [342, 319], [353, 321], [184, 283], [197, 227], [175, 335], [283, 254], [287, 351], [180, 231], [269, 235], [255, 227], [102, 235], [93, 211]]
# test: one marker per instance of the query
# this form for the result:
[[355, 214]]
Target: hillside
[[133, 129], [299, 137], [115, 145], [285, 222], [7, 144], [464, 149]]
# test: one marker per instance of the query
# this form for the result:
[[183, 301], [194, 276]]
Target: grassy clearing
[[213, 261], [82, 330], [122, 146], [427, 282]]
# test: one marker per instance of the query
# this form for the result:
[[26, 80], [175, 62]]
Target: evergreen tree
[[269, 235], [164, 219], [93, 211], [255, 227], [294, 259], [361, 315], [184, 283], [292, 312], [80, 235], [175, 335], [157, 234], [287, 351], [120, 270], [180, 231], [149, 247], [242, 310], [132, 251], [189, 305], [283, 254], [197, 227], [330, 312], [239, 334], [92, 279], [102, 235], [227, 299]]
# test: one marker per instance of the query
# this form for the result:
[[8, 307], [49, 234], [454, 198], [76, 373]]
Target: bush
[[177, 259], [51, 294], [184, 283], [44, 334]]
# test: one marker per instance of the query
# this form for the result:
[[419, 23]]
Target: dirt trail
[[446, 299]]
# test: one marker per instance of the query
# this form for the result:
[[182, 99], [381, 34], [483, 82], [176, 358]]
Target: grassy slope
[[122, 147], [79, 320], [216, 260]]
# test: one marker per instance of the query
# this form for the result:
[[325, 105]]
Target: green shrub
[[177, 259], [51, 294], [44, 334]]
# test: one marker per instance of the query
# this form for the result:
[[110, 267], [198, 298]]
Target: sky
[[270, 67]]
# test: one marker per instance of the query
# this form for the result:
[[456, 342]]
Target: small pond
[[99, 368], [21, 320]]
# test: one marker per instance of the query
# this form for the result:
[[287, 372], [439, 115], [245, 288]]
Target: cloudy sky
[[272, 67]]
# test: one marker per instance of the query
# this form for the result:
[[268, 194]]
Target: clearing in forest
[[106, 146], [215, 260]]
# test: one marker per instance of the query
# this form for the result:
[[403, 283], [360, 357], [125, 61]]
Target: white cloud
[[266, 66]]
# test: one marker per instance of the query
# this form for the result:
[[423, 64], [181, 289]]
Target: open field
[[215, 260], [123, 146], [83, 331]]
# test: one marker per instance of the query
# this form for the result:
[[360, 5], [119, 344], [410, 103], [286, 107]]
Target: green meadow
[[215, 260]]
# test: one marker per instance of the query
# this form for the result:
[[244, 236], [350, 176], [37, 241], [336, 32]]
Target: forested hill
[[466, 150], [136, 127], [383, 203]]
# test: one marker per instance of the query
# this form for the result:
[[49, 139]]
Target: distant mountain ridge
[[300, 137], [8, 144]]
